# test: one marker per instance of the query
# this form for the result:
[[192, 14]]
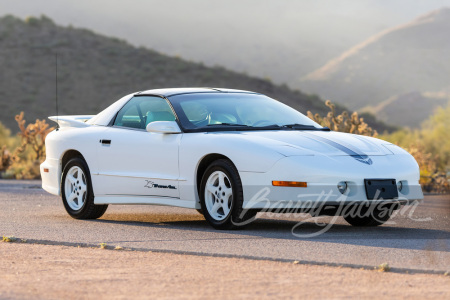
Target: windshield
[[206, 110]]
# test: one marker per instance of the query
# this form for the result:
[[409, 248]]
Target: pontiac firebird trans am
[[228, 154]]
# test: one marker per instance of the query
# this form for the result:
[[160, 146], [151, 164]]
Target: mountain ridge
[[94, 71], [398, 61]]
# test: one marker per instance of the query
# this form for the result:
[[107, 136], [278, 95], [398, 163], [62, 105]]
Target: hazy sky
[[238, 34], [201, 17]]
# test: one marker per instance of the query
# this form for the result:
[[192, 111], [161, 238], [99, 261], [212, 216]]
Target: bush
[[29, 145], [343, 122], [430, 146]]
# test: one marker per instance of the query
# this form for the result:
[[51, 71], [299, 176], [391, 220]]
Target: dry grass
[[9, 239], [384, 267]]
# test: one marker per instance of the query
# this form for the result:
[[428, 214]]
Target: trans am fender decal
[[361, 157], [150, 184]]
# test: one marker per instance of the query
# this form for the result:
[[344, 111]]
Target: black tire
[[369, 216], [237, 216], [87, 210], [199, 211]]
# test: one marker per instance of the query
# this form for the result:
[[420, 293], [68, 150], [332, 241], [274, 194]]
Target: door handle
[[105, 142]]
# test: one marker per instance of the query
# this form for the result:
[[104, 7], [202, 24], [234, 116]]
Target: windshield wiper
[[294, 127], [304, 127], [299, 126], [227, 124]]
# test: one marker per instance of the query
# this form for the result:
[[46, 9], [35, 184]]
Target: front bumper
[[322, 174]]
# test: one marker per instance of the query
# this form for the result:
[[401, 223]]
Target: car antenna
[[56, 89]]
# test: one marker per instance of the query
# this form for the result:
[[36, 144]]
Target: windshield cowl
[[242, 127]]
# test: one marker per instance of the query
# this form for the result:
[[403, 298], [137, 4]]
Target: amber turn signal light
[[46, 170], [290, 183]]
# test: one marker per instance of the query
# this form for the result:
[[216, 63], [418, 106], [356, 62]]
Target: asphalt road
[[415, 239]]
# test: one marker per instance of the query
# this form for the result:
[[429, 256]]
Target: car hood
[[292, 142]]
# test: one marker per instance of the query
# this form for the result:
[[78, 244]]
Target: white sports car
[[228, 154]]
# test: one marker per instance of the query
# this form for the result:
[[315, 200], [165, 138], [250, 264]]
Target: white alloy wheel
[[75, 188], [218, 195]]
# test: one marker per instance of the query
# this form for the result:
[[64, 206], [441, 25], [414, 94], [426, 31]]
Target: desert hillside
[[392, 64], [95, 70], [410, 109]]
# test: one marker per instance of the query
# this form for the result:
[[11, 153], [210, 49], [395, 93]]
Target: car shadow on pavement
[[386, 236]]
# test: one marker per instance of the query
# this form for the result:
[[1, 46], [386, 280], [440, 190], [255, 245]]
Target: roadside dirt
[[30, 271]]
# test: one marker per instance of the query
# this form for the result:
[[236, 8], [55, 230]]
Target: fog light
[[399, 186], [342, 187]]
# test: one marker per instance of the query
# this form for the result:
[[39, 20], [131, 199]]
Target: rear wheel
[[76, 191], [222, 197]]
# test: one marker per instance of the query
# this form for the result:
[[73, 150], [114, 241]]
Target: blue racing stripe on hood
[[361, 157]]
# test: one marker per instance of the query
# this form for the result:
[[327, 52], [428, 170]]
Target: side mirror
[[163, 127]]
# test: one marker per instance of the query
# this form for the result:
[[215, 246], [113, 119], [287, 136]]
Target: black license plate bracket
[[377, 189]]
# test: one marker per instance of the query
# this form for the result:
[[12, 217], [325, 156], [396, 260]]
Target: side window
[[140, 111]]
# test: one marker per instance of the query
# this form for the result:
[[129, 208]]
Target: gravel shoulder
[[29, 271]]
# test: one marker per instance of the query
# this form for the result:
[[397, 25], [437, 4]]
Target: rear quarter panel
[[84, 140]]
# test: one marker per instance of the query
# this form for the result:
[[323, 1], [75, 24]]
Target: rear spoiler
[[71, 121]]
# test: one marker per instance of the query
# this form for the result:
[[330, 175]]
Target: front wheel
[[76, 191], [222, 197]]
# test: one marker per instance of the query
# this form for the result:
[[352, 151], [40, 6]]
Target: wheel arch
[[68, 155], [203, 165]]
